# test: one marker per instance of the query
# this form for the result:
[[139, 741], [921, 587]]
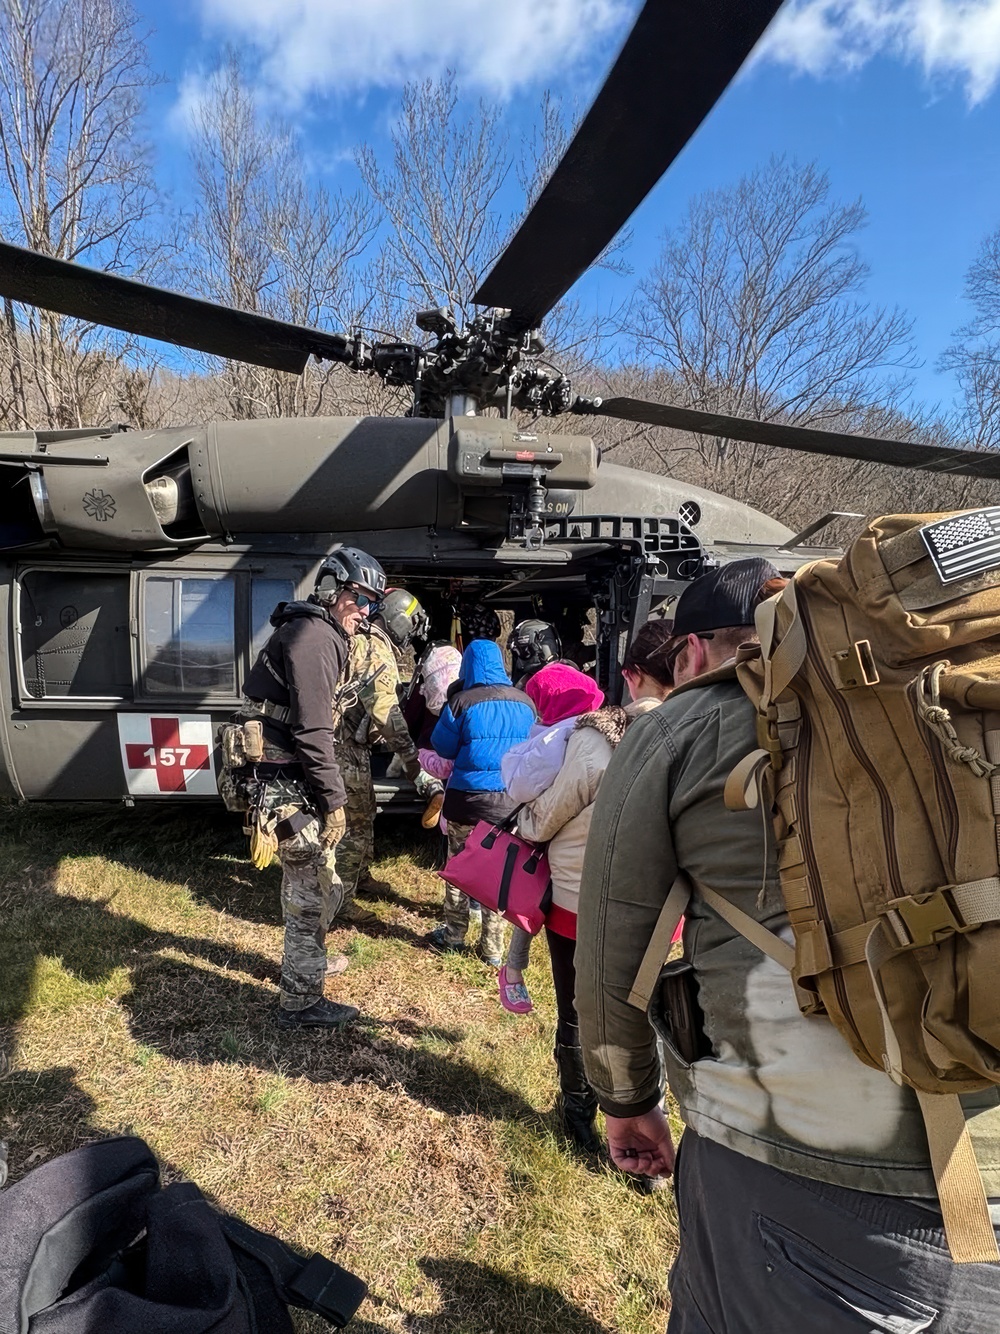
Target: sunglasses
[[675, 648], [366, 602]]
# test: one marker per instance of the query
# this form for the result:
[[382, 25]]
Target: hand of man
[[333, 829], [641, 1144]]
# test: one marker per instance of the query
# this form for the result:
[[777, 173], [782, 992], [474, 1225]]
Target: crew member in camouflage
[[291, 686], [366, 710], [311, 889]]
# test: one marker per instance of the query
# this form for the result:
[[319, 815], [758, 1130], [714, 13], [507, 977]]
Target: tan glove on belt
[[333, 829]]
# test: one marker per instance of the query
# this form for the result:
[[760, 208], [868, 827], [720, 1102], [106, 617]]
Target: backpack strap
[[965, 1209], [749, 928], [312, 1283], [781, 661], [659, 943], [671, 913]]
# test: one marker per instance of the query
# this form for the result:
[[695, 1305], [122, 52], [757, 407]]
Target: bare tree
[[975, 357], [268, 240], [440, 197], [755, 305], [73, 78]]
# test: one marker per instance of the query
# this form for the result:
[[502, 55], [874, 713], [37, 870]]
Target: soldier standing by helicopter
[[370, 700], [300, 804]]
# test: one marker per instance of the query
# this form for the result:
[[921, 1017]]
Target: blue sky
[[896, 99]]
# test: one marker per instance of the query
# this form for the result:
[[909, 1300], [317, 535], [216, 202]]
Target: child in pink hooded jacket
[[560, 694]]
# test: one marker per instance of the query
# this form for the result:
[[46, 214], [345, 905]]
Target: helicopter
[[138, 569]]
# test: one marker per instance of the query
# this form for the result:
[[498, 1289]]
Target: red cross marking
[[167, 755]]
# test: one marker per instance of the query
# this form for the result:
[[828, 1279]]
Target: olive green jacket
[[779, 1086]]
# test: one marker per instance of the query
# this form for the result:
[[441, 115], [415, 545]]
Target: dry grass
[[139, 957]]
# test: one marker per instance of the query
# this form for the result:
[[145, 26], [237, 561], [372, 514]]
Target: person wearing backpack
[[805, 1191]]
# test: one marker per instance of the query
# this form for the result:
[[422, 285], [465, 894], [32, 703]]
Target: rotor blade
[[836, 444], [152, 312], [676, 63]]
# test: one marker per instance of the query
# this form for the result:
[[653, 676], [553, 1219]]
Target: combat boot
[[355, 915], [323, 1014], [577, 1100]]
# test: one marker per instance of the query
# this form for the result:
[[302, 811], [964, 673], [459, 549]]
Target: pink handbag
[[504, 873]]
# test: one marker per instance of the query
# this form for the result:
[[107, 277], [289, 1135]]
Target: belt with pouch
[[279, 713]]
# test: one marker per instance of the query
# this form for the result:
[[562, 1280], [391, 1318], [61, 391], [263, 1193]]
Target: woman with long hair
[[560, 816]]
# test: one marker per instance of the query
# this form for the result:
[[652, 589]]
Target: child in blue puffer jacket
[[479, 724]]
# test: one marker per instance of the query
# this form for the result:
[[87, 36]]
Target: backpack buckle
[[924, 919], [855, 666], [768, 737]]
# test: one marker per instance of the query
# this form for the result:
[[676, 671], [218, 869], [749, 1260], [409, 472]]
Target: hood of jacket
[[561, 691], [290, 611], [482, 665], [610, 721], [440, 666]]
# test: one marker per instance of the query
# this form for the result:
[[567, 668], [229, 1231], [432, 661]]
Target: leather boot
[[577, 1100]]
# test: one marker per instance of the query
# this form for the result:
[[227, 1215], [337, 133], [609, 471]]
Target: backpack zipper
[[885, 804]]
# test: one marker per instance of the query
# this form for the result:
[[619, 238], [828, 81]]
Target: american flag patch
[[964, 546]]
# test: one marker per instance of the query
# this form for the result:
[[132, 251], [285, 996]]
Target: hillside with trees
[[755, 305]]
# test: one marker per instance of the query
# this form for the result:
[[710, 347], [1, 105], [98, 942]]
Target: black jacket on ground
[[308, 652]]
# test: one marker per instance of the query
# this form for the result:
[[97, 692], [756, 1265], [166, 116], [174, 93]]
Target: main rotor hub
[[474, 366]]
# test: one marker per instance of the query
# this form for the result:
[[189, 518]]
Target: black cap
[[725, 598]]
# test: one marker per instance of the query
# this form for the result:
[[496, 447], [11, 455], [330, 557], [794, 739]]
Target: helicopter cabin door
[[73, 666]]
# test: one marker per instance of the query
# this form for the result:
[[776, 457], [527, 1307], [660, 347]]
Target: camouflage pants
[[311, 896], [456, 905], [357, 848]]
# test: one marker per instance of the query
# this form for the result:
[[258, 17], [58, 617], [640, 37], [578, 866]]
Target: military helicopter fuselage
[[141, 569]]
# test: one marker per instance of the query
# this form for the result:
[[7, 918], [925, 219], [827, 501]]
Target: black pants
[[768, 1252], [561, 955]]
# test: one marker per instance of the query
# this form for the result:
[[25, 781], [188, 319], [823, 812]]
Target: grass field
[[139, 960]]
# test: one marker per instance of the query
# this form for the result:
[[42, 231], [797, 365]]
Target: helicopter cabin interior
[[120, 669]]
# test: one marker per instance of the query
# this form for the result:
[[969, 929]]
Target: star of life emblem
[[167, 755], [964, 546], [99, 505]]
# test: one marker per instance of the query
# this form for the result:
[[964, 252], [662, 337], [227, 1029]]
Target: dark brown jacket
[[300, 667]]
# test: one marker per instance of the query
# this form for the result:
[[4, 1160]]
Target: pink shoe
[[513, 995]]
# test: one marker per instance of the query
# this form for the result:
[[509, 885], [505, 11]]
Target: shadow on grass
[[191, 1014], [43, 1111], [479, 1300], [92, 943], [183, 1009], [380, 892], [200, 846]]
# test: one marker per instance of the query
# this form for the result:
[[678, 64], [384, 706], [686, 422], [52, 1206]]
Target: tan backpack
[[877, 689]]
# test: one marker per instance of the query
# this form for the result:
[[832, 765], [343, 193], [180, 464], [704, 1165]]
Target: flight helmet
[[403, 618], [349, 565], [532, 644]]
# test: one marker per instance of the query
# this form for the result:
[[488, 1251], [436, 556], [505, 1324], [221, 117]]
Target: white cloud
[[193, 91], [346, 46], [953, 39]]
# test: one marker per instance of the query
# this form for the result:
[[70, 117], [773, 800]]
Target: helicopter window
[[74, 634], [190, 635], [265, 594]]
